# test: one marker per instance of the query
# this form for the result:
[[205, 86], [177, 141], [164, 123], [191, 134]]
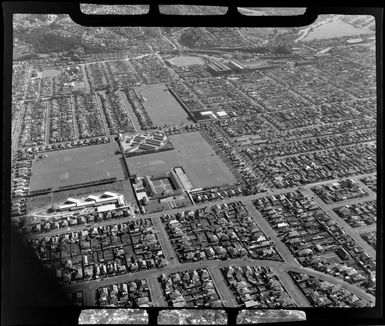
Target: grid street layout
[[292, 288], [281, 248], [347, 228], [178, 210], [325, 90], [280, 267]]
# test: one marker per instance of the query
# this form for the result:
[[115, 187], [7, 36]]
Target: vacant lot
[[77, 165], [193, 153], [161, 106]]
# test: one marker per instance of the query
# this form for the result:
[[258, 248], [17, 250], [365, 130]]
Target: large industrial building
[[218, 68]]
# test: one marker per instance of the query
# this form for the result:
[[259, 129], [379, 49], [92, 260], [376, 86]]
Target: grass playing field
[[77, 165], [193, 153], [50, 73], [161, 106]]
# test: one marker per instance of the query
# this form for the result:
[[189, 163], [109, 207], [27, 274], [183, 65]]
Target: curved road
[[277, 266], [281, 268]]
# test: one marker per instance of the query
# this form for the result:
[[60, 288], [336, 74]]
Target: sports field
[[50, 73], [77, 165], [187, 60], [161, 106], [193, 153]]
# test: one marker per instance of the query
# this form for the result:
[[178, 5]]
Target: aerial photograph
[[119, 316], [205, 167]]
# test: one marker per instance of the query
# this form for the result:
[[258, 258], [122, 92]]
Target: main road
[[197, 206], [344, 225], [281, 268]]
